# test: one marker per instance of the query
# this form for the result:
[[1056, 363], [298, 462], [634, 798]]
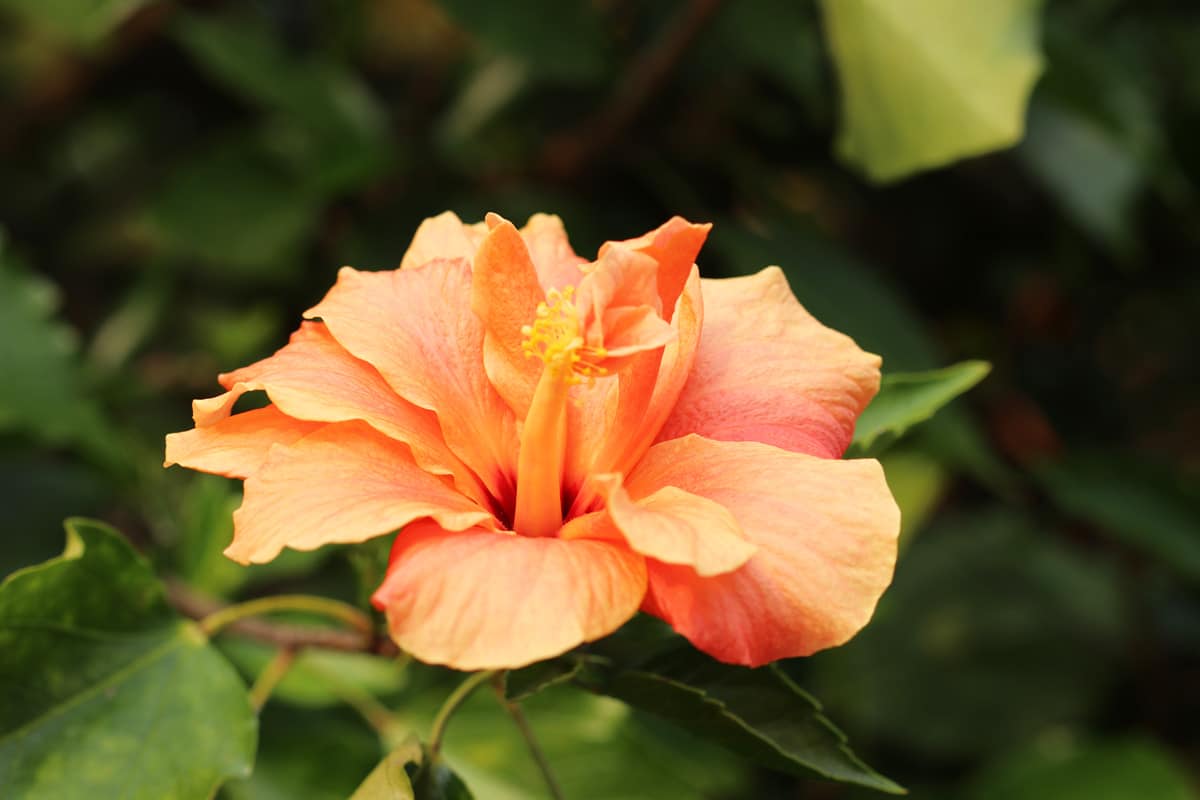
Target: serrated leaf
[[94, 667], [908, 398], [758, 713], [927, 82], [1138, 504], [521, 684]]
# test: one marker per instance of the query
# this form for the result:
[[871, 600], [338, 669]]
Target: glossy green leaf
[[927, 82], [98, 674], [760, 713], [44, 392], [1138, 504], [1130, 769], [908, 398], [521, 684]]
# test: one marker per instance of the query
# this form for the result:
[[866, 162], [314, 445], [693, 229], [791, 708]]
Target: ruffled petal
[[505, 295], [344, 483], [235, 446], [314, 378], [677, 527], [416, 327], [480, 599], [674, 245], [826, 535], [556, 262], [767, 371], [443, 237]]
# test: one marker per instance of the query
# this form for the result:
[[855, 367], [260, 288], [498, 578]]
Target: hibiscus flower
[[561, 443]]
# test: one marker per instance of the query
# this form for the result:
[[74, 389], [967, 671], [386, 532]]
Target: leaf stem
[[535, 749], [269, 678], [325, 606], [456, 699]]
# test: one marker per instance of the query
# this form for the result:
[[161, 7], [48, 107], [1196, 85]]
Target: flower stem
[[335, 609], [535, 749], [456, 699], [270, 677]]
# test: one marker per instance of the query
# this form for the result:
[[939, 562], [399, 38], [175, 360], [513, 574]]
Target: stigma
[[556, 337]]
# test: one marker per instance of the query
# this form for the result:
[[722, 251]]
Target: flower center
[[555, 336]]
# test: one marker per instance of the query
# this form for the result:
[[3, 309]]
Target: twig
[[566, 155], [535, 749], [456, 699], [283, 635], [270, 677]]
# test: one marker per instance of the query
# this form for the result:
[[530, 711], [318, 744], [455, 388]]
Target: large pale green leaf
[[908, 398], [105, 691], [43, 392], [758, 713], [1130, 769], [1141, 505], [927, 82]]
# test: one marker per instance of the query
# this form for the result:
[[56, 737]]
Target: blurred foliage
[[179, 180]]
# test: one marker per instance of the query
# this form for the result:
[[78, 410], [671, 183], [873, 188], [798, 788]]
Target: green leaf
[[1136, 503], [758, 713], [43, 392], [84, 22], [927, 82], [407, 773], [989, 618], [99, 674], [559, 40], [521, 684], [908, 398], [334, 125], [319, 678], [1119, 770]]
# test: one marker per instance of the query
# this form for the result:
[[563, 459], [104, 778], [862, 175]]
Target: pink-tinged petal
[[826, 535], [678, 527], [236, 446], [442, 237], [674, 245], [505, 295], [416, 327], [767, 371], [620, 308], [344, 483], [479, 599], [314, 378], [555, 260]]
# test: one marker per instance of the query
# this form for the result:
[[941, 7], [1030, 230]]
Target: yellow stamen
[[556, 338]]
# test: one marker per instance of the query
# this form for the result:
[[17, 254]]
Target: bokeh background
[[178, 181]]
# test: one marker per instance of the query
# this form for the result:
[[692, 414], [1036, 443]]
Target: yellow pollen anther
[[556, 338]]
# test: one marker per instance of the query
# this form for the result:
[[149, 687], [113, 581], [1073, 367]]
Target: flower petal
[[442, 237], [236, 446], [677, 527], [479, 599], [767, 371], [416, 327], [674, 245], [556, 262], [314, 378], [344, 483], [505, 294], [826, 534]]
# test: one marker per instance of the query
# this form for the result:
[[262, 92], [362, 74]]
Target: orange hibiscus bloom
[[563, 442]]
